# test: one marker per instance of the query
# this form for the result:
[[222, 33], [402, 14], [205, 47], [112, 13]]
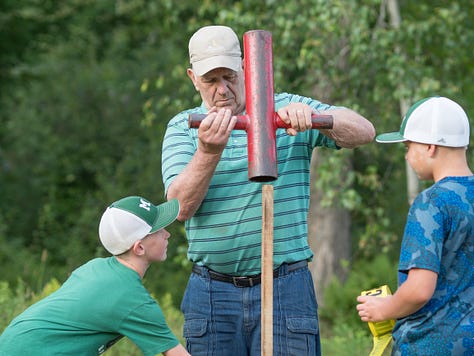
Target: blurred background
[[87, 88]]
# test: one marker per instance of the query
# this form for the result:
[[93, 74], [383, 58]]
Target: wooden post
[[267, 271]]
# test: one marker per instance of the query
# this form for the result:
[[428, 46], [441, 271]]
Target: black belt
[[245, 281]]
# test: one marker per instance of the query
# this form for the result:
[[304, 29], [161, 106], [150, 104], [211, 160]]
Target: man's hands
[[191, 185], [349, 129], [298, 115], [215, 130]]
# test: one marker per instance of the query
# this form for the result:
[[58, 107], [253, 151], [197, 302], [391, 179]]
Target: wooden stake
[[267, 271]]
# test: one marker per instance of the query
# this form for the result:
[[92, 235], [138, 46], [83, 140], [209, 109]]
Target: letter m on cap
[[145, 204]]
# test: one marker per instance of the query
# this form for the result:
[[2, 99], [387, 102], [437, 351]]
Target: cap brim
[[166, 214], [390, 137], [206, 65]]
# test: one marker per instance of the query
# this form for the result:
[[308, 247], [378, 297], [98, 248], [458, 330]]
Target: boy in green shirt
[[104, 299]]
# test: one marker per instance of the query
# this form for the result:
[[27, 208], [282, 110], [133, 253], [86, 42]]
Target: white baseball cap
[[214, 47], [435, 120], [131, 219]]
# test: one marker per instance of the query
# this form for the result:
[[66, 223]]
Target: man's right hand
[[215, 129]]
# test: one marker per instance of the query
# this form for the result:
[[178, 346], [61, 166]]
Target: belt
[[245, 281]]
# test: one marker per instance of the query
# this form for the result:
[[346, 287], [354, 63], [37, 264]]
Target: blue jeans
[[221, 319]]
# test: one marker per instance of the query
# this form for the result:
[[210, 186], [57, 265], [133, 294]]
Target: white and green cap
[[435, 120], [131, 219]]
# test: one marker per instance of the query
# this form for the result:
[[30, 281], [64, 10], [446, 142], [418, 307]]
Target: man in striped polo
[[206, 170]]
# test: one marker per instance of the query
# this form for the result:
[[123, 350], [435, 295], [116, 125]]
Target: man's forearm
[[349, 128], [191, 185]]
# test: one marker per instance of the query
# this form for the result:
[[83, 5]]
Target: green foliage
[[15, 301], [71, 133], [346, 341], [7, 304]]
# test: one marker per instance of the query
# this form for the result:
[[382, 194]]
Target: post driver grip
[[194, 121], [317, 122]]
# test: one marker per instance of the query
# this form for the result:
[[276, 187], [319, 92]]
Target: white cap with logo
[[435, 120], [131, 219]]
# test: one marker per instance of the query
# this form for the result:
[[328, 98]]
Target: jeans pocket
[[303, 336], [194, 331], [194, 328], [303, 325]]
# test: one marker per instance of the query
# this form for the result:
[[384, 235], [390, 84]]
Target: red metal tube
[[258, 66]]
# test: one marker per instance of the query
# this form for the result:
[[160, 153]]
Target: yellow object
[[382, 330]]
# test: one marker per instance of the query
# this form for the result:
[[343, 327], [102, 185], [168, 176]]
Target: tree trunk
[[328, 234], [412, 180], [413, 184]]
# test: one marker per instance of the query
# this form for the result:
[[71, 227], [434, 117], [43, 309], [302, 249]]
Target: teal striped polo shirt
[[225, 232]]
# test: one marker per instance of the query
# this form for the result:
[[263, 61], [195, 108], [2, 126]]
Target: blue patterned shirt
[[439, 236]]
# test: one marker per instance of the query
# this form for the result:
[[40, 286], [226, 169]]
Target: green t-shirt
[[100, 302]]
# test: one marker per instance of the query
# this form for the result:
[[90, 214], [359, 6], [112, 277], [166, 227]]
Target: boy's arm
[[412, 295], [178, 350]]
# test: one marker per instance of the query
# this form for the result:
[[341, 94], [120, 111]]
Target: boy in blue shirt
[[434, 302]]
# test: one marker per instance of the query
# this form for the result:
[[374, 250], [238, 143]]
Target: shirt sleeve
[[147, 328], [423, 238], [179, 145]]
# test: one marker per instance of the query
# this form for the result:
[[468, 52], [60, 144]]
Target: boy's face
[[419, 158], [156, 245]]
